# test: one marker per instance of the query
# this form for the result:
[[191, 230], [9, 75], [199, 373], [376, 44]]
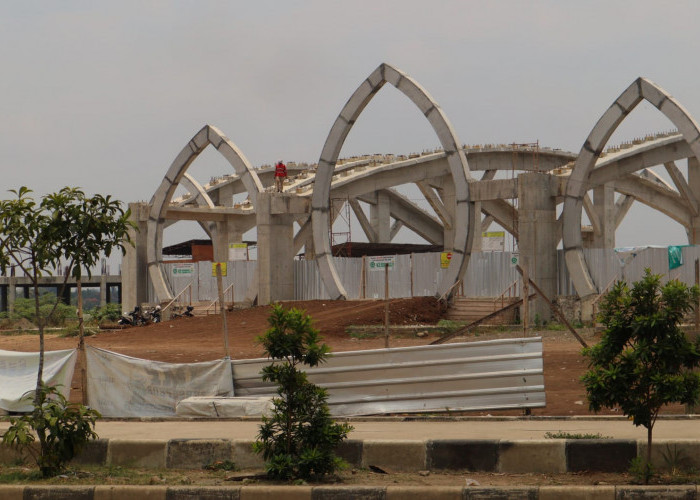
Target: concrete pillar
[[275, 215], [380, 218], [447, 193], [604, 203], [694, 185], [104, 296], [478, 238], [134, 263], [11, 293], [537, 240]]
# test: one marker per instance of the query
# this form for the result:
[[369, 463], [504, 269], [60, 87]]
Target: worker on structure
[[280, 175]]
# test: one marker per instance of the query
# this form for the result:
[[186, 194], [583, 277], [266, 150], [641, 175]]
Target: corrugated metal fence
[[505, 373], [489, 274]]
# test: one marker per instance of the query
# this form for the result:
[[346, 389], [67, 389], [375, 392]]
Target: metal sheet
[[495, 374]]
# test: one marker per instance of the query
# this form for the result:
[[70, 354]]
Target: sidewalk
[[682, 428]]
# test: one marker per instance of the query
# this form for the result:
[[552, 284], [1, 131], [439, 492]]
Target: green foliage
[[107, 313], [226, 465], [644, 360], [51, 313], [63, 429], [298, 441], [642, 470], [574, 435]]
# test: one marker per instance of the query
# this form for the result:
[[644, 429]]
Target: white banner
[[122, 386], [18, 371]]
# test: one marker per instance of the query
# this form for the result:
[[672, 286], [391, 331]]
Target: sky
[[104, 95]]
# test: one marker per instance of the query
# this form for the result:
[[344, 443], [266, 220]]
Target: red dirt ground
[[200, 339]]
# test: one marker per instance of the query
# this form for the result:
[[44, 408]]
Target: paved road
[[513, 429]]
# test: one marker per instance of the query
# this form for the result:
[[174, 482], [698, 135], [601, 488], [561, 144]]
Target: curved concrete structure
[[163, 195], [464, 216], [578, 183]]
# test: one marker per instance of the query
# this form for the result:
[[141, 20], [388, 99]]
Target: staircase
[[470, 309]]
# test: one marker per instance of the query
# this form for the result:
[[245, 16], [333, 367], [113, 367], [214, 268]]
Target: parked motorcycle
[[187, 313], [152, 316], [134, 318]]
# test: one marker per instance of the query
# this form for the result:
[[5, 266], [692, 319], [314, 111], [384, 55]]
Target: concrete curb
[[531, 456], [15, 492]]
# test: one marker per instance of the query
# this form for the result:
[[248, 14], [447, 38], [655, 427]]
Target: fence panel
[[494, 374]]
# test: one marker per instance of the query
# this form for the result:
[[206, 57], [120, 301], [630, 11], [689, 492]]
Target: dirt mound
[[17, 324]]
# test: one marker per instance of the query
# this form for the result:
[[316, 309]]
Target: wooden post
[[411, 261], [220, 284], [386, 304]]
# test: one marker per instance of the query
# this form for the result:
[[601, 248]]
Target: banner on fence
[[18, 371], [122, 386]]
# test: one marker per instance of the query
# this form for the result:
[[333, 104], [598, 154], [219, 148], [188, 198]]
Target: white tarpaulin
[[122, 386], [18, 371]]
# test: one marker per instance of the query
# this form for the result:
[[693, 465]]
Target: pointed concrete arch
[[577, 185], [161, 199], [465, 217]]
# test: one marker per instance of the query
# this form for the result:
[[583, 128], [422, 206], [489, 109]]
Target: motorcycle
[[152, 316], [134, 318], [186, 313]]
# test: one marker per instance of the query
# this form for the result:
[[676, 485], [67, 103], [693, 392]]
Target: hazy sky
[[103, 95]]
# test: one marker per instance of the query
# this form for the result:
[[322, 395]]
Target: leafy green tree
[[65, 227], [64, 427], [299, 440], [88, 228], [644, 359]]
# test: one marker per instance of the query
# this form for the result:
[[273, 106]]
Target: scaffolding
[[340, 227]]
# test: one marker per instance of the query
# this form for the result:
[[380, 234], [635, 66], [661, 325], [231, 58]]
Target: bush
[[24, 308], [63, 429], [299, 440], [109, 313]]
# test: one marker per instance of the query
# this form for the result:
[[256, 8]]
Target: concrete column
[[380, 218], [694, 185], [604, 203], [275, 217], [537, 240], [11, 293], [134, 263], [447, 193], [103, 291], [478, 238], [220, 242]]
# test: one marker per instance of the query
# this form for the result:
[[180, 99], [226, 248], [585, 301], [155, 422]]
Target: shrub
[[62, 428], [644, 360], [298, 441]]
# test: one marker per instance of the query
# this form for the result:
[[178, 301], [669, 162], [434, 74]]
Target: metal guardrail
[[494, 374]]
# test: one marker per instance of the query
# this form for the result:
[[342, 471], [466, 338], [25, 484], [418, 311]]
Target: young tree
[[67, 227], [88, 228], [644, 360], [25, 242], [300, 438]]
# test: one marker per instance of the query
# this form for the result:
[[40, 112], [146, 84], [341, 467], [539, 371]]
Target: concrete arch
[[578, 183], [465, 217], [161, 199]]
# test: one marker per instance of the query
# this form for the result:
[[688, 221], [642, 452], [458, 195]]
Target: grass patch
[[574, 435]]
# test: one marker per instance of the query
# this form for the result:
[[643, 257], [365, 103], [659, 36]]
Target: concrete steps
[[469, 309]]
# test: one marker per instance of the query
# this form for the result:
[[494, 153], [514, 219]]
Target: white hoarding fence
[[122, 386], [18, 372]]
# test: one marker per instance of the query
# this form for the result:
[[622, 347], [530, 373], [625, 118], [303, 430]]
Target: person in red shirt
[[280, 175]]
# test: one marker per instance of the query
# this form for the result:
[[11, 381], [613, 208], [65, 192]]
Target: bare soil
[[195, 339]]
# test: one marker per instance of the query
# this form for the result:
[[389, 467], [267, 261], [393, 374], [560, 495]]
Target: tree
[[644, 359], [88, 228], [66, 227], [299, 440]]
